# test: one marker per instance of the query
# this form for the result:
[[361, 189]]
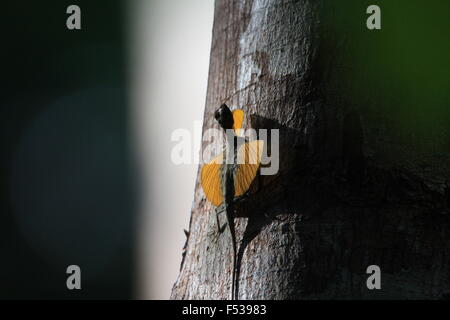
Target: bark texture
[[358, 184]]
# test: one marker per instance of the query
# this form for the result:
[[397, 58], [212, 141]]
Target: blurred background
[[170, 45], [86, 118], [86, 121]]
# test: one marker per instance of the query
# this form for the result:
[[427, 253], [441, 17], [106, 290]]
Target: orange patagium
[[248, 161]]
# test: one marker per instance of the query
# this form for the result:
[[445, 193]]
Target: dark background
[[66, 176], [65, 194]]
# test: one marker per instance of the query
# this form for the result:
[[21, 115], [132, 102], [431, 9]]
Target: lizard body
[[228, 172], [224, 178]]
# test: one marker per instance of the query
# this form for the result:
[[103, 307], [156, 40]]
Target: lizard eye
[[217, 114]]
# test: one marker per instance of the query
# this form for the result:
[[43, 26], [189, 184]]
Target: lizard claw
[[214, 236]]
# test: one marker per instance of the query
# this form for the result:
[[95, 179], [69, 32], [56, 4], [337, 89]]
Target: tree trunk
[[364, 161]]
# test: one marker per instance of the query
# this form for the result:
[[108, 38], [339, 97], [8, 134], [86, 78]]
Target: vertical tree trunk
[[358, 184]]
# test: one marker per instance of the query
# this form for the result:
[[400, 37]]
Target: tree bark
[[364, 176]]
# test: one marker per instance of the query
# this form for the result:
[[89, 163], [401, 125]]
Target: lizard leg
[[220, 229], [218, 222]]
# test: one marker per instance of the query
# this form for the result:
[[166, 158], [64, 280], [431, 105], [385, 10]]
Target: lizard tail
[[233, 283], [233, 240]]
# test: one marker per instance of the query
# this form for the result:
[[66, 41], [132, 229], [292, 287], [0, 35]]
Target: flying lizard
[[230, 174]]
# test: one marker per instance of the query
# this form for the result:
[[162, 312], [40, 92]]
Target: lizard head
[[224, 117]]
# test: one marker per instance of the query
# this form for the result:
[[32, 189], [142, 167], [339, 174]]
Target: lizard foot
[[213, 236]]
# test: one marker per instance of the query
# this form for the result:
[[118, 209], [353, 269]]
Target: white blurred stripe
[[169, 59]]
